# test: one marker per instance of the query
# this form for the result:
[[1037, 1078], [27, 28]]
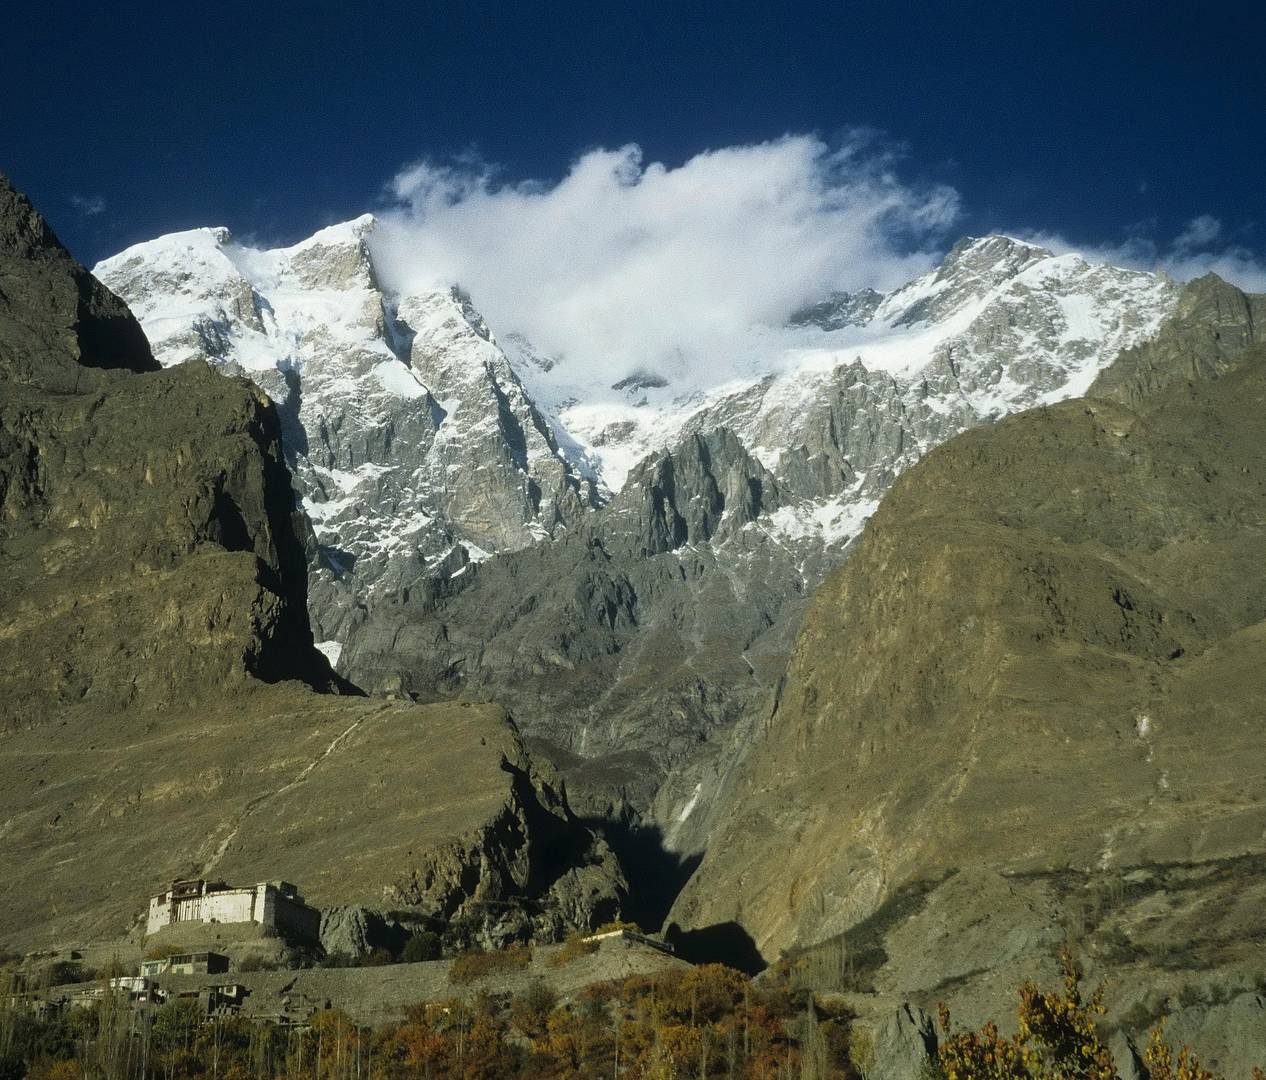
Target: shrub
[[477, 964], [573, 949], [861, 1051], [50, 1069], [1058, 1036], [618, 924], [424, 945], [529, 1011], [161, 952], [301, 956]]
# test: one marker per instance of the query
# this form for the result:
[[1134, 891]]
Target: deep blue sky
[[1090, 119]]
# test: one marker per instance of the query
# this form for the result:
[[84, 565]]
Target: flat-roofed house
[[200, 963]]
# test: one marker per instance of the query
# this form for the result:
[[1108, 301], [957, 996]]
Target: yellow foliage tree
[[1057, 1038]]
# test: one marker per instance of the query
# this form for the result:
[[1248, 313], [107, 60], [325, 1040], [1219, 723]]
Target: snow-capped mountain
[[412, 442], [420, 440], [1000, 325]]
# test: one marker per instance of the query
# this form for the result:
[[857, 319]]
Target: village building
[[203, 963], [222, 999], [276, 905], [629, 935], [133, 989]]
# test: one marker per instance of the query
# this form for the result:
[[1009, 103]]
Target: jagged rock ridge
[[634, 641], [410, 438]]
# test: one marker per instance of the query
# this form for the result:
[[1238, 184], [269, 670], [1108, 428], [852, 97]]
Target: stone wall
[[375, 995], [290, 915]]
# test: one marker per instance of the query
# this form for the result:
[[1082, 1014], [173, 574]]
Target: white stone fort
[[273, 904]]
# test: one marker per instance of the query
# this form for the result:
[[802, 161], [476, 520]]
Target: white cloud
[[625, 263], [1234, 264], [1191, 254], [1200, 233], [88, 205]]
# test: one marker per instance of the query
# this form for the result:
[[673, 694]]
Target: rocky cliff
[[151, 543], [57, 318], [624, 644], [1211, 327], [1027, 710], [160, 714]]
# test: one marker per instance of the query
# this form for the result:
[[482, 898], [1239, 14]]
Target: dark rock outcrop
[[839, 310], [705, 488], [538, 872], [55, 318], [151, 547]]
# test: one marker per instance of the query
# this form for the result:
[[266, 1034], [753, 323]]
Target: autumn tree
[[1057, 1038]]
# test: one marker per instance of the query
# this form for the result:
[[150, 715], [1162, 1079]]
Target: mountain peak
[[470, 313], [336, 257], [996, 251], [23, 230], [55, 318], [974, 267], [343, 232]]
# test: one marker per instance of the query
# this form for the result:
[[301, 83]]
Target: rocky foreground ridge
[[1028, 710], [164, 713]]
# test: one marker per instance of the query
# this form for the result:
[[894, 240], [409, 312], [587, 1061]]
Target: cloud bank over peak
[[1199, 248], [1200, 233], [628, 266], [625, 263]]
